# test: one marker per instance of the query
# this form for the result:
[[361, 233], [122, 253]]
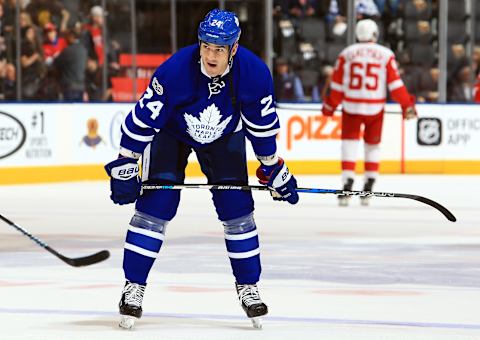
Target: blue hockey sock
[[144, 240], [241, 239]]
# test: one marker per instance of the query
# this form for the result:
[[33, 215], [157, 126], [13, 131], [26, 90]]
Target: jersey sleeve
[[148, 116], [336, 93], [259, 116], [397, 88]]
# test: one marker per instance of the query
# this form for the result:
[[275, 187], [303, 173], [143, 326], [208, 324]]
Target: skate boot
[[251, 303], [368, 186], [344, 199], [131, 304]]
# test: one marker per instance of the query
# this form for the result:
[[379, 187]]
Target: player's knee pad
[[240, 225], [148, 222]]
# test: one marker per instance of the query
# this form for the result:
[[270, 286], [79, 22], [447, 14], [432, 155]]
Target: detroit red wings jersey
[[362, 75]]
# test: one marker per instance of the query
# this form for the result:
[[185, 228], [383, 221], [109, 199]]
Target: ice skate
[[251, 303], [344, 199], [131, 304], [365, 200]]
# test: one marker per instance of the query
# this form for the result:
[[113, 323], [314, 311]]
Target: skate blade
[[257, 322], [127, 322], [343, 202]]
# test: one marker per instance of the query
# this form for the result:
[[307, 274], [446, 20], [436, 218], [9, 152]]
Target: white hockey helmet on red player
[[366, 30]]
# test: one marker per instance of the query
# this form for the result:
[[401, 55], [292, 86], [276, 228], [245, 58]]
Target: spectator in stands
[[410, 75], [93, 35], [333, 10], [45, 11], [460, 88], [26, 21], [428, 91], [366, 9], [7, 81], [71, 65], [33, 66], [288, 86], [93, 41], [280, 8], [52, 43], [8, 25], [302, 8], [457, 58]]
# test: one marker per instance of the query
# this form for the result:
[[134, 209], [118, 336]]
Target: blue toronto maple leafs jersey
[[198, 110]]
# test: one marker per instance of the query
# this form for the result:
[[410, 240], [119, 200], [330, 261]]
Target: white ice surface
[[396, 270]]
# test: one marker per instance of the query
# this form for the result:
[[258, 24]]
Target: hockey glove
[[409, 111], [279, 178], [124, 181], [327, 110]]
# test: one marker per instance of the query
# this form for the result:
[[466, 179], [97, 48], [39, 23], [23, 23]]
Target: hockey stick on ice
[[422, 199], [75, 262]]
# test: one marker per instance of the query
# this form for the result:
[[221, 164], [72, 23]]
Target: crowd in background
[[309, 35], [61, 56], [61, 52]]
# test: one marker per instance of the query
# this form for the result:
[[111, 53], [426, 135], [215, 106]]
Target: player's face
[[215, 58]]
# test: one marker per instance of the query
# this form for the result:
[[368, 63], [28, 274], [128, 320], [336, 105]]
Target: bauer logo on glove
[[125, 172]]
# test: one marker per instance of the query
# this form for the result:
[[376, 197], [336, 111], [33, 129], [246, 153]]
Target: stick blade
[[431, 203], [86, 260]]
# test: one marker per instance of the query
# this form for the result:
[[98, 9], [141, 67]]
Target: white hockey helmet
[[366, 30]]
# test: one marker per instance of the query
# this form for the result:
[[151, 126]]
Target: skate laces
[[248, 294], [134, 294]]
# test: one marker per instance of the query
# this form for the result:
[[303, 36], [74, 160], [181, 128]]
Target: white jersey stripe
[[137, 121], [260, 127], [395, 84], [132, 135], [264, 134], [238, 237], [336, 86], [244, 255], [141, 251], [149, 233]]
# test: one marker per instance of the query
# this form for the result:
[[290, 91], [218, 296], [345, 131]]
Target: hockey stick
[[75, 262], [422, 199]]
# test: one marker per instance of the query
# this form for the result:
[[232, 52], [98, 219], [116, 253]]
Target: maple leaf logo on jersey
[[209, 127]]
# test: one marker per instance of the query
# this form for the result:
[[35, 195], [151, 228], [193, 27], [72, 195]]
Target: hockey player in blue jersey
[[206, 98]]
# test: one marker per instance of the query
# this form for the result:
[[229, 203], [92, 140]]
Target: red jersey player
[[362, 73]]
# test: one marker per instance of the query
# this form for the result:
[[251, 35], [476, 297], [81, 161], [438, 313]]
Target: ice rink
[[396, 270]]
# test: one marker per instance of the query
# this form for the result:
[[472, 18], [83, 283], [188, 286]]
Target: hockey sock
[[144, 240], [241, 239]]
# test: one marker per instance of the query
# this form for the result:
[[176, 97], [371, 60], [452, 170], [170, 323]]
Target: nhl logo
[[429, 131], [157, 87]]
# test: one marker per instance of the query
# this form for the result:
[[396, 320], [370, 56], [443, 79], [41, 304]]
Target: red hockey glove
[[327, 110]]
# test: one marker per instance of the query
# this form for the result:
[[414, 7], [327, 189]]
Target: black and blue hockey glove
[[279, 178], [124, 181]]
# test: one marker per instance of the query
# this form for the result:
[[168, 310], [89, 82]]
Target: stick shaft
[[418, 198]]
